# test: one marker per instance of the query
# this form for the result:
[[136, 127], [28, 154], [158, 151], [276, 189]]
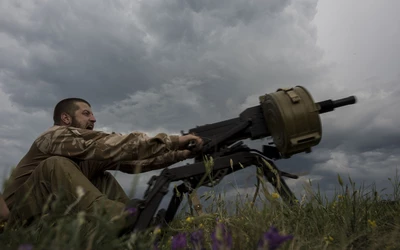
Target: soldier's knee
[[58, 159], [56, 163]]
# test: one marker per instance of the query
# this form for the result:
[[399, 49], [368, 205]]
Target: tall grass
[[355, 218]]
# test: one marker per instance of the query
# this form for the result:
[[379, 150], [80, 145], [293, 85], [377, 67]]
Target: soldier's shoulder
[[52, 130], [47, 137]]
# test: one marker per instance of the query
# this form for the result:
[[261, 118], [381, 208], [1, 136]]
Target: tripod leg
[[272, 174]]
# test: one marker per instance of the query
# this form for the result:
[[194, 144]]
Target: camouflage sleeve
[[86, 144], [91, 168], [142, 166]]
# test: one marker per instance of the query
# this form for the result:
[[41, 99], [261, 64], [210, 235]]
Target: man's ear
[[66, 119]]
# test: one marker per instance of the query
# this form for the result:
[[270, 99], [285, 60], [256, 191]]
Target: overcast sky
[[166, 66]]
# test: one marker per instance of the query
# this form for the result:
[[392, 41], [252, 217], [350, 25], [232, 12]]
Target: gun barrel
[[330, 105]]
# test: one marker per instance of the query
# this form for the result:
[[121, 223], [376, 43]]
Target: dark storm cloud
[[72, 48], [104, 52], [18, 129]]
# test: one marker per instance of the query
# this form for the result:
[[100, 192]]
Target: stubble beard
[[76, 124]]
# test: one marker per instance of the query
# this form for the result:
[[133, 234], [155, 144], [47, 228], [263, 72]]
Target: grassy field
[[356, 218]]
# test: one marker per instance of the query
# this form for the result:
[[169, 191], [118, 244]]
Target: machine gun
[[290, 116]]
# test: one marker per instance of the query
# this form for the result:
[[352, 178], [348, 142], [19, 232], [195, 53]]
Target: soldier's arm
[[155, 163], [92, 168], [85, 144]]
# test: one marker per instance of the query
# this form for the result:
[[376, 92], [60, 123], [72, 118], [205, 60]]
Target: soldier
[[71, 156]]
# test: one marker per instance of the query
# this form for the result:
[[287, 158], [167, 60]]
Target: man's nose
[[92, 118]]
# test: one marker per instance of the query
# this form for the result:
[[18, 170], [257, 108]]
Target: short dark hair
[[68, 106]]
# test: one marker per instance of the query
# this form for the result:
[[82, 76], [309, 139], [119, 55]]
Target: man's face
[[83, 117]]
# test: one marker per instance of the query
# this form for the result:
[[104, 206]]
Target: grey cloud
[[365, 165], [174, 106], [112, 50], [69, 49], [360, 141], [199, 20], [17, 133], [371, 123]]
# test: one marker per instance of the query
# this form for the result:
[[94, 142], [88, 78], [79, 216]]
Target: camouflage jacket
[[96, 151]]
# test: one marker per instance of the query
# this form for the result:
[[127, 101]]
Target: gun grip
[[191, 145]]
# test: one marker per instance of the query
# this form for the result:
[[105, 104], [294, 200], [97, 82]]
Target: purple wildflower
[[272, 239], [25, 247], [179, 241], [221, 238], [197, 239], [131, 210]]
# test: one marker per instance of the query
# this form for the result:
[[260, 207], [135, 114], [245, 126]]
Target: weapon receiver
[[290, 116]]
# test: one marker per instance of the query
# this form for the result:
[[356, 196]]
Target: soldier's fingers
[[200, 142]]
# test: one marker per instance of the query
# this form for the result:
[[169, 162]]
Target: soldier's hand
[[187, 154], [195, 140]]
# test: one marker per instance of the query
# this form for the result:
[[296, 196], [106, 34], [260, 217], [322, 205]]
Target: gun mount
[[290, 116]]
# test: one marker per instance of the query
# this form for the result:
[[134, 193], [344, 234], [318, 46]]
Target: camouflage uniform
[[63, 158]]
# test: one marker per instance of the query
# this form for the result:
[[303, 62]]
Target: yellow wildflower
[[189, 219], [2, 226], [275, 195], [328, 239], [372, 223], [157, 230], [201, 225]]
